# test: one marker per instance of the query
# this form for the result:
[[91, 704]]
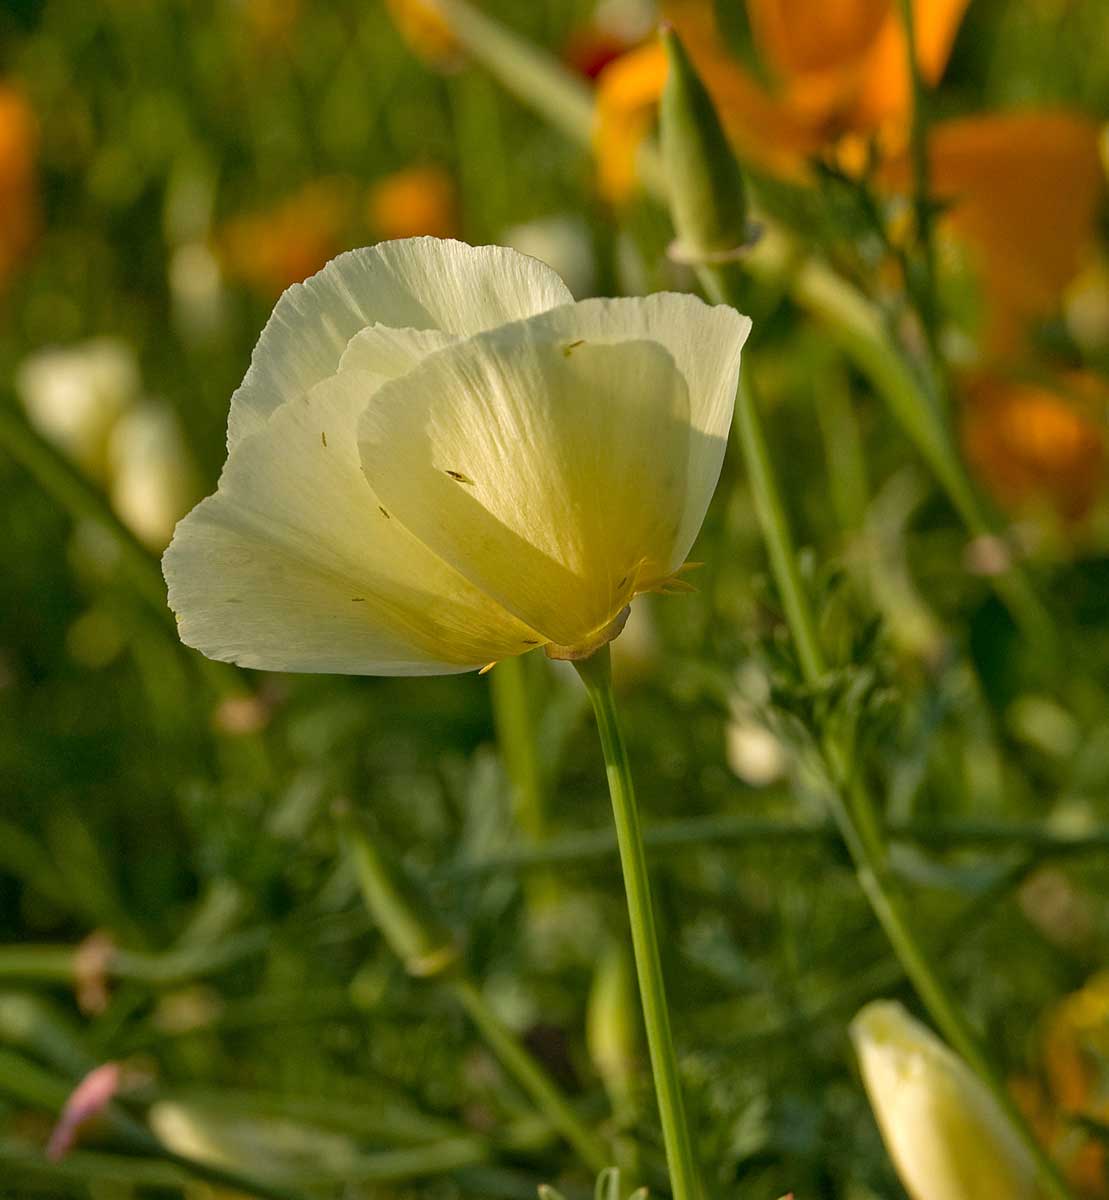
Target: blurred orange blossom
[[1075, 1084], [412, 202], [1036, 443], [1020, 189], [271, 249], [426, 32], [19, 212]]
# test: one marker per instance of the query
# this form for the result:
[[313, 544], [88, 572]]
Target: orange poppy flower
[[1075, 1083], [426, 32], [1030, 443], [1021, 188], [19, 222], [1022, 191], [271, 250], [413, 202], [838, 69]]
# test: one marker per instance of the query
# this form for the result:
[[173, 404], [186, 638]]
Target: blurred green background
[[171, 893]]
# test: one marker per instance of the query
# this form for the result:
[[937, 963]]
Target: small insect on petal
[[570, 347], [460, 477], [323, 439]]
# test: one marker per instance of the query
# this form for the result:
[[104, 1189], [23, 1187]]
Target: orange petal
[[413, 202], [19, 211], [802, 36], [628, 91], [426, 32], [1034, 443], [1023, 191]]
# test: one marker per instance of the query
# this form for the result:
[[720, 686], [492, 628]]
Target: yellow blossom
[[438, 460]]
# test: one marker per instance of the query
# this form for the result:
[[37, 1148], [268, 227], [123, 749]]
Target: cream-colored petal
[[417, 283], [389, 352], [705, 342], [551, 473], [295, 565]]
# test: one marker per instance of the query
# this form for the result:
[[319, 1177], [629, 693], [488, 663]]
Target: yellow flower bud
[[944, 1131], [612, 1025]]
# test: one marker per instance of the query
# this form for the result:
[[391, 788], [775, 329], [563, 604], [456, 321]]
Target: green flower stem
[[575, 849], [849, 318], [516, 737], [58, 964], [853, 807], [529, 1074], [596, 674]]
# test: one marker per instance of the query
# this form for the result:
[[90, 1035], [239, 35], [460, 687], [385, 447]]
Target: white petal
[[550, 473], [418, 283], [390, 352], [705, 342], [293, 565]]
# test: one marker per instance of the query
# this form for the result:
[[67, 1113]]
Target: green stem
[[529, 1074], [516, 738], [574, 849], [596, 674], [854, 810], [779, 543]]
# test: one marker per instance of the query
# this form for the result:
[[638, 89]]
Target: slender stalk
[[779, 543], [596, 674], [854, 810], [575, 849], [529, 1074], [516, 737]]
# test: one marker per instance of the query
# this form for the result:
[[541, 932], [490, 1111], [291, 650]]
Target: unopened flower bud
[[707, 196], [947, 1136], [612, 1027]]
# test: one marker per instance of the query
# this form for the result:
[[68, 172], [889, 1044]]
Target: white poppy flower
[[944, 1131], [74, 395], [438, 460]]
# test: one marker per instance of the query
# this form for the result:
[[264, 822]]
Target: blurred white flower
[[438, 460], [152, 477], [73, 395], [944, 1131], [754, 754], [197, 292], [563, 243]]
